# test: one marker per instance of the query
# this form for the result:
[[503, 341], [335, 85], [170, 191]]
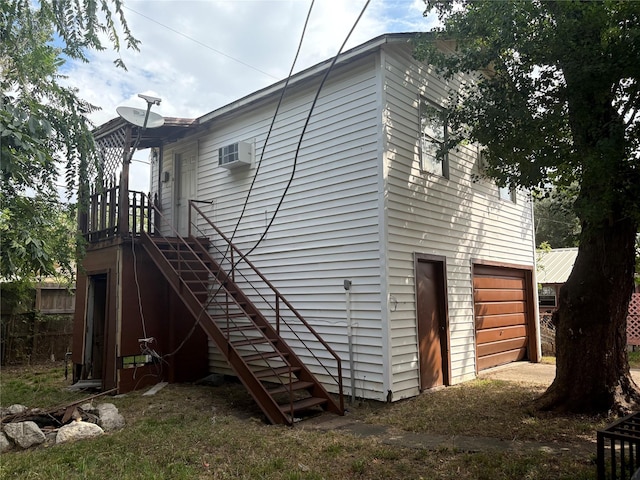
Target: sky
[[200, 55]]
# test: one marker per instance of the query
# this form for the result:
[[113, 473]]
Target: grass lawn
[[203, 432]]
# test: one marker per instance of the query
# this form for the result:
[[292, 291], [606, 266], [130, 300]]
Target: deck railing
[[103, 218]]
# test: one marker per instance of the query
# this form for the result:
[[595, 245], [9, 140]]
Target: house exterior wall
[[327, 228], [358, 209], [455, 218]]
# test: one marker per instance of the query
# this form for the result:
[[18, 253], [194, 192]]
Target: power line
[[224, 256], [202, 44], [273, 121], [304, 129], [291, 177]]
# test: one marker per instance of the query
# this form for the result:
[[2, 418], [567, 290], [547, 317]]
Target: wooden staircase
[[271, 371]]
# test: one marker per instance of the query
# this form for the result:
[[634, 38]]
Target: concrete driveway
[[527, 372]]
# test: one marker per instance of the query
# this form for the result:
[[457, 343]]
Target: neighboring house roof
[[555, 266]]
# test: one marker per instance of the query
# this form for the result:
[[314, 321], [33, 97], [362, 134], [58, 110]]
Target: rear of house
[[415, 271], [355, 255]]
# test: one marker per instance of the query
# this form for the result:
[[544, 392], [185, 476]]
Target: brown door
[[431, 323], [502, 315]]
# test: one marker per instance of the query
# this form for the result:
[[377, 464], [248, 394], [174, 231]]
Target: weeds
[[202, 432]]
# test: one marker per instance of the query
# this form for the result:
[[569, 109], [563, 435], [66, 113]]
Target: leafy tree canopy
[[529, 108], [43, 124], [556, 223]]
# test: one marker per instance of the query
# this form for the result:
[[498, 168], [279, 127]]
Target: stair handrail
[[159, 217], [279, 297]]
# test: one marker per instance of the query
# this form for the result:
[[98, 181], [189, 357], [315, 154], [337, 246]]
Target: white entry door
[[186, 186]]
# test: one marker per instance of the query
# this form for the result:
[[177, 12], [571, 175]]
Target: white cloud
[[200, 55]]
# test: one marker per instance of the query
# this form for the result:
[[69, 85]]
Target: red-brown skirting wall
[[151, 299]]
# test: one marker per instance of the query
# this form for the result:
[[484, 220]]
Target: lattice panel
[[633, 320], [110, 154]]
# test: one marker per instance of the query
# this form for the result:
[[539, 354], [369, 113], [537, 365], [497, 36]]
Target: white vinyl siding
[[455, 218], [359, 209], [326, 230]]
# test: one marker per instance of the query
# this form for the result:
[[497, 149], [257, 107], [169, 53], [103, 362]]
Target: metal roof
[[555, 266]]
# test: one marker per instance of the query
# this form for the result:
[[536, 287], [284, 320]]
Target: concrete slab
[[533, 373], [155, 389]]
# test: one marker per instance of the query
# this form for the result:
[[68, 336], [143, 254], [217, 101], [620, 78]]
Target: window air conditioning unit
[[235, 155]]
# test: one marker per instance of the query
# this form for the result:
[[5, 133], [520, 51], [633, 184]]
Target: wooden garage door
[[500, 299]]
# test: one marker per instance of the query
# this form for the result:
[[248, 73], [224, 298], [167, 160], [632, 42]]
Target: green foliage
[[555, 97], [17, 297], [38, 238], [44, 128], [637, 277], [556, 222]]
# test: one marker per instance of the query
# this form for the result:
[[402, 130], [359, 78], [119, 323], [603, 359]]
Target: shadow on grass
[[486, 408]]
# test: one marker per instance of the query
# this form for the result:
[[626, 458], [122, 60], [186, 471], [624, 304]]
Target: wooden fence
[[547, 329], [38, 331]]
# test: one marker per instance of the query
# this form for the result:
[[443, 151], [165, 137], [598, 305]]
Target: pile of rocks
[[25, 428]]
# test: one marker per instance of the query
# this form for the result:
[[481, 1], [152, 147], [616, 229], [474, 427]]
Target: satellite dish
[[137, 117]]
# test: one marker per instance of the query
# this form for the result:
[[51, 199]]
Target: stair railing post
[[143, 205], [189, 219], [278, 314], [291, 414]]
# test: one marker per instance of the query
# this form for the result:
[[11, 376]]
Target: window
[[433, 135], [547, 296], [507, 193]]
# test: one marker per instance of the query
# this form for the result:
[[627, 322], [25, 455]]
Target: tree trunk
[[592, 369]]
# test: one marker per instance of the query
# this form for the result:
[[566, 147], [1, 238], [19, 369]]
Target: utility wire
[[200, 43], [304, 129], [273, 120], [295, 160]]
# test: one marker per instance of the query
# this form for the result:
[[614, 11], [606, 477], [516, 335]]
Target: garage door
[[501, 311]]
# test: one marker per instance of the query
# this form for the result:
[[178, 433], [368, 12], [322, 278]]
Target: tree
[[557, 101], [555, 220], [44, 125]]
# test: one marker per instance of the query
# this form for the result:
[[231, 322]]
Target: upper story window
[[433, 135], [507, 193]]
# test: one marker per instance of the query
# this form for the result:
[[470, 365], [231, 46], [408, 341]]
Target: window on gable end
[[434, 158]]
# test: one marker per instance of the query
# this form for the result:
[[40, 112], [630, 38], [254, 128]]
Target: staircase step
[[241, 328], [224, 316], [303, 404], [263, 356], [250, 341], [295, 386], [276, 372]]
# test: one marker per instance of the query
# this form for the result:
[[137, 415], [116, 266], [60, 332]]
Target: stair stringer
[[259, 319], [254, 386]]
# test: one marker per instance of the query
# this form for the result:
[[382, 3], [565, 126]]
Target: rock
[[16, 409], [24, 434], [77, 431], [109, 418], [5, 444], [88, 407], [50, 438]]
